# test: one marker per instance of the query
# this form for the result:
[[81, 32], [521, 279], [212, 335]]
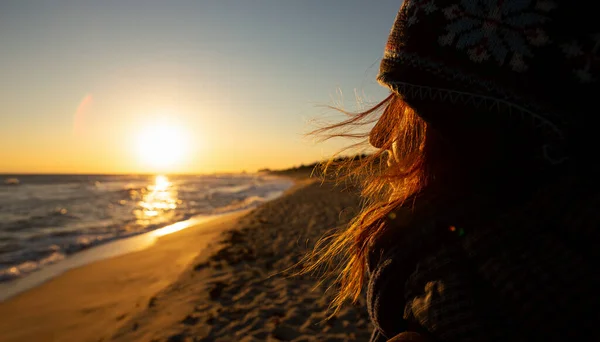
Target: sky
[[198, 86]]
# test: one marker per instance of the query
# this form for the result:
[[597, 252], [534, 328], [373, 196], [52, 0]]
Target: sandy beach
[[218, 281]]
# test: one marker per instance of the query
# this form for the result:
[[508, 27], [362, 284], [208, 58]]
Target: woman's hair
[[473, 155], [385, 186]]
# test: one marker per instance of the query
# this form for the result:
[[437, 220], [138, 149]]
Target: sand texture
[[233, 290]]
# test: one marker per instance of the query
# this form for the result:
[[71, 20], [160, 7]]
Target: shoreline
[[110, 249], [97, 253], [83, 295], [219, 281]]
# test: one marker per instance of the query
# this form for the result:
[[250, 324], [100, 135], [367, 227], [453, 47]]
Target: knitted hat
[[533, 61]]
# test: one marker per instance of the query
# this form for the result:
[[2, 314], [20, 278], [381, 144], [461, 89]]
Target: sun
[[162, 145]]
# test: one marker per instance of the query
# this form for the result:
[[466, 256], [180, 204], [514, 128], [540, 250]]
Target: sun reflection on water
[[158, 202]]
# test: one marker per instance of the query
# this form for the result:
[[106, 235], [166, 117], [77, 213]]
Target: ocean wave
[[56, 217], [232, 189], [11, 182], [246, 203], [39, 230], [27, 267]]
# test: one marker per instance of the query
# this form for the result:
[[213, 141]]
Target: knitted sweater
[[527, 273]]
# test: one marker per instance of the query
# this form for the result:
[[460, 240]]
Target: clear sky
[[201, 86]]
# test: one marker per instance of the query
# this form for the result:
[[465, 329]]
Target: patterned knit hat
[[533, 61]]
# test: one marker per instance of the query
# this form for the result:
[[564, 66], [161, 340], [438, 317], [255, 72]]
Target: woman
[[484, 225]]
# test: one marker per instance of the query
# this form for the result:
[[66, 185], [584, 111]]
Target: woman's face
[[381, 134]]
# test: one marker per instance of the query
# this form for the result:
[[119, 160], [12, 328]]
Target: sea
[[47, 218]]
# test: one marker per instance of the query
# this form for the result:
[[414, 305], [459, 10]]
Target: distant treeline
[[315, 168]]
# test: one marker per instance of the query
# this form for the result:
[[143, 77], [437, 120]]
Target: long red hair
[[492, 156], [384, 187]]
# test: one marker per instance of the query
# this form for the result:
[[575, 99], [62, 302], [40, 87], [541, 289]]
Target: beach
[[45, 219], [225, 280]]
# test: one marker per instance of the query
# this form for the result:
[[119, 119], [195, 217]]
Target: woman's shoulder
[[567, 208], [563, 212], [409, 237], [441, 257], [423, 223]]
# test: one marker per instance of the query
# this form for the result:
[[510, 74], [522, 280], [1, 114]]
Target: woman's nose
[[375, 138], [381, 132]]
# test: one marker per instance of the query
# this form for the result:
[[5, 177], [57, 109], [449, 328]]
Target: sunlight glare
[[161, 183], [162, 145], [159, 200]]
